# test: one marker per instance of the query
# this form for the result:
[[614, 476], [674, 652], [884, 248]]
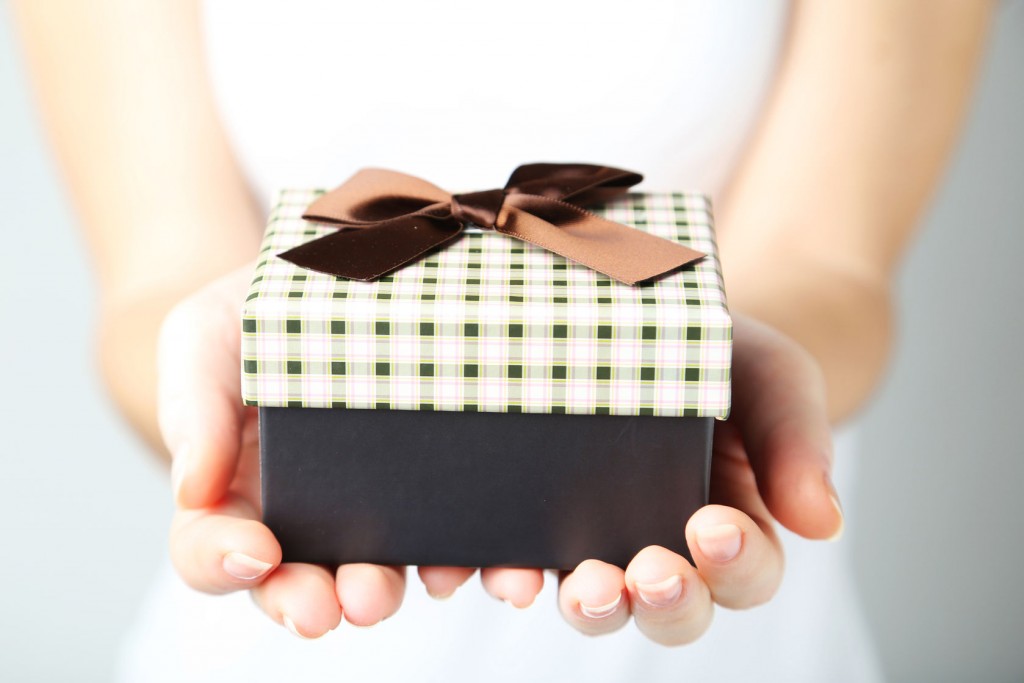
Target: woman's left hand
[[772, 461]]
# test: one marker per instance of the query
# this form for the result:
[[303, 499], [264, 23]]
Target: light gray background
[[83, 509]]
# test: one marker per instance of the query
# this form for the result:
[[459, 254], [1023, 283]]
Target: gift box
[[489, 404]]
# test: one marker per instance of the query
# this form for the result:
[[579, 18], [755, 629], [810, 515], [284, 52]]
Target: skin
[[863, 114]]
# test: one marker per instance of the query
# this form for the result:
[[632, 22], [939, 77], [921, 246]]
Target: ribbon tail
[[618, 251], [367, 253]]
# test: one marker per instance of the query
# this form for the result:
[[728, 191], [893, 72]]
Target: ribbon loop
[[584, 184], [403, 217]]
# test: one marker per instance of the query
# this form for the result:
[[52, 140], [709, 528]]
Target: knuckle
[[588, 566], [595, 629], [681, 630], [679, 637], [748, 596]]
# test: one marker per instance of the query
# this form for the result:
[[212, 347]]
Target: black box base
[[479, 489]]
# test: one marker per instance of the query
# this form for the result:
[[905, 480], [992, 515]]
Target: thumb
[[200, 410], [781, 412]]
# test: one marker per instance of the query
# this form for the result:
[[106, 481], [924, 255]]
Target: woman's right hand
[[218, 543]]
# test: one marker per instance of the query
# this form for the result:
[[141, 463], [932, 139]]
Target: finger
[[222, 549], [593, 598], [518, 587], [442, 582], [200, 412], [780, 409], [671, 604], [369, 593], [300, 597], [733, 482], [741, 562]]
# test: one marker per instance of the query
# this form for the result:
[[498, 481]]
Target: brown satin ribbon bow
[[400, 217]]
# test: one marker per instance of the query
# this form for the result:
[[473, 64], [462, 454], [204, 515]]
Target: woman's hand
[[772, 460], [218, 544]]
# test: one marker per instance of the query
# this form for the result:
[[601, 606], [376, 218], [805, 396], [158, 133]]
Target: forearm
[[865, 111], [123, 90], [126, 353]]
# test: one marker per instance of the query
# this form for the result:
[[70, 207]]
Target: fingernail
[[721, 542], [179, 466], [290, 625], [244, 567], [834, 497], [663, 593], [601, 611]]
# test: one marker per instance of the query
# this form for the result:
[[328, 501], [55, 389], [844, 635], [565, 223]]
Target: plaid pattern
[[489, 323]]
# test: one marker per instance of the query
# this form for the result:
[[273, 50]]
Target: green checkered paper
[[490, 323]]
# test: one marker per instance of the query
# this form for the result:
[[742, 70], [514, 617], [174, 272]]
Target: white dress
[[460, 92]]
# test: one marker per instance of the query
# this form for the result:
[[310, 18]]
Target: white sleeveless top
[[461, 92]]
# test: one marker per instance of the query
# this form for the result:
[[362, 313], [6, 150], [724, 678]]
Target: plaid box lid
[[490, 323]]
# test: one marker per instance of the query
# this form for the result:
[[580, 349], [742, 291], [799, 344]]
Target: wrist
[[842, 316]]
